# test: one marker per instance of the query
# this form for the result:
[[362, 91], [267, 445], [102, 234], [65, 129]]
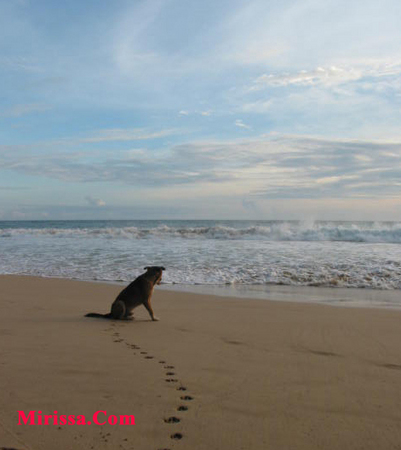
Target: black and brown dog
[[139, 292]]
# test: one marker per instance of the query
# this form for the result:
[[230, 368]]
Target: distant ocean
[[241, 253]]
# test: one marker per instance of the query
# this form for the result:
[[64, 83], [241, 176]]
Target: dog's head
[[155, 272]]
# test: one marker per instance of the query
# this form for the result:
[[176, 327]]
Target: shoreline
[[214, 372], [332, 296]]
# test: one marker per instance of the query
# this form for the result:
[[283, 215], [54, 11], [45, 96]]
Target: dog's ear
[[162, 268]]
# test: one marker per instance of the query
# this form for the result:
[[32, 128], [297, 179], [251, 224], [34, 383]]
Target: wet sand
[[257, 374]]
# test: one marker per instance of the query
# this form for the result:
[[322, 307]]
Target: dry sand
[[262, 375]]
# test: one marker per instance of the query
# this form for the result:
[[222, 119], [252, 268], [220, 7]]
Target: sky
[[187, 109]]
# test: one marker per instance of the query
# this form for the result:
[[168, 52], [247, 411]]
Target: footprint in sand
[[176, 436], [172, 419], [135, 347]]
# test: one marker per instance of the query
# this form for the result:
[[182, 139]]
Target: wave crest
[[270, 231]]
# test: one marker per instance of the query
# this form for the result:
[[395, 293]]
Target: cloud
[[329, 76], [97, 137], [22, 110], [276, 167], [95, 201], [324, 68], [239, 123], [359, 99], [180, 39], [120, 134]]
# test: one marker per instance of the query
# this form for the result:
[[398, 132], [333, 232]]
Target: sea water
[[250, 255]]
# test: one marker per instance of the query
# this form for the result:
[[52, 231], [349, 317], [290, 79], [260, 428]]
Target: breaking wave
[[330, 254], [369, 232]]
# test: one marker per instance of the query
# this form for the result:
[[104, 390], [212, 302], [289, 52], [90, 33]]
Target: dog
[[139, 292]]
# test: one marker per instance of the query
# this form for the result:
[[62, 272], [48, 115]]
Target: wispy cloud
[[358, 99], [121, 134], [332, 75], [329, 76], [239, 123], [97, 137], [279, 167], [22, 110]]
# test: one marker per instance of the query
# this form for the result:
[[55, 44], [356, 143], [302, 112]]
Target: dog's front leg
[[148, 306]]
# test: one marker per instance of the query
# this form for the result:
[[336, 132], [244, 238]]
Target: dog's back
[[137, 292]]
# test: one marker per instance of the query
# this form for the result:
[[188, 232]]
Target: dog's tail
[[102, 316]]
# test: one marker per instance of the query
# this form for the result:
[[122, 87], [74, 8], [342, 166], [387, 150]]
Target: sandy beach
[[258, 374]]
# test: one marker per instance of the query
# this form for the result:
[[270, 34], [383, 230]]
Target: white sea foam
[[331, 254]]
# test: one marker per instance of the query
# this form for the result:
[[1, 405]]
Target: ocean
[[237, 257]]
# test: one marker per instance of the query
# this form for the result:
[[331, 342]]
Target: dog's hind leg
[[118, 310]]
